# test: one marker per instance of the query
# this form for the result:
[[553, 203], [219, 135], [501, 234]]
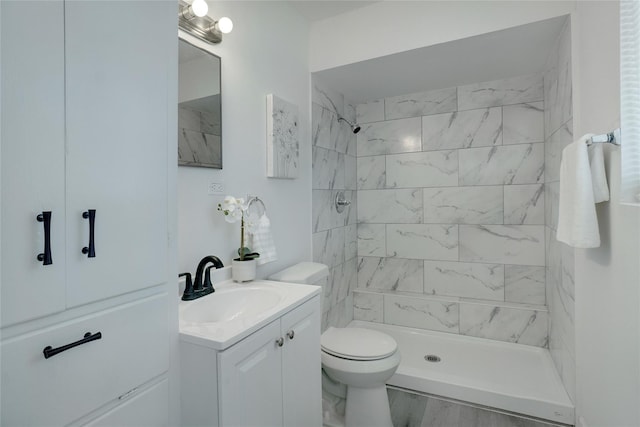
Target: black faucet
[[199, 288], [198, 284]]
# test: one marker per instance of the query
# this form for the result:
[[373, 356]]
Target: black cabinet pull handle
[[45, 257], [50, 352], [90, 250]]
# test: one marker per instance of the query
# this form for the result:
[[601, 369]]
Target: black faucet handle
[[188, 294], [207, 279]]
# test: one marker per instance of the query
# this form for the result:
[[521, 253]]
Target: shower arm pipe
[[355, 128], [345, 120]]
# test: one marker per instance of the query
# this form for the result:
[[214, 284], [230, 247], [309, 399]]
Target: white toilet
[[362, 359]]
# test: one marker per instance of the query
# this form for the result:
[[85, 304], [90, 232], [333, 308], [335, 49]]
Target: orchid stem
[[242, 238]]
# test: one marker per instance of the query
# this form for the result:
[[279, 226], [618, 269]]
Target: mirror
[[199, 108]]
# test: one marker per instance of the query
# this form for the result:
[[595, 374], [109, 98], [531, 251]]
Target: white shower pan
[[511, 377]]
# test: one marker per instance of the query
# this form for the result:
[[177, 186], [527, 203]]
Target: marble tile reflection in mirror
[[199, 108]]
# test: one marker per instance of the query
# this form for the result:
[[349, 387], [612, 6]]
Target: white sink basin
[[231, 304], [234, 310]]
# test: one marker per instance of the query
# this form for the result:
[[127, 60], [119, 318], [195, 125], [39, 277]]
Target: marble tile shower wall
[[334, 234], [560, 257], [451, 233]]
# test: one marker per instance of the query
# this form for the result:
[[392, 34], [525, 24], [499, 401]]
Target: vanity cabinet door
[[119, 95], [301, 381], [250, 380], [32, 153]]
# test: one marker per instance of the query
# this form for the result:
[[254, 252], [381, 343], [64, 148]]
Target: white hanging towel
[[263, 241], [598, 174], [583, 183]]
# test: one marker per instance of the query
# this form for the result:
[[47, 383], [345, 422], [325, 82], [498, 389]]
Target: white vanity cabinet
[[270, 378], [88, 122]]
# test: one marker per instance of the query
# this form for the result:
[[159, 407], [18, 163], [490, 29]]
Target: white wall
[[607, 303], [267, 52], [389, 27]]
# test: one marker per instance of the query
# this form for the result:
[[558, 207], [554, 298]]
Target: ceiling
[[317, 10], [501, 54]]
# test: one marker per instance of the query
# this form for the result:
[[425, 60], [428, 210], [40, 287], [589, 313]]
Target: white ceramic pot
[[243, 271]]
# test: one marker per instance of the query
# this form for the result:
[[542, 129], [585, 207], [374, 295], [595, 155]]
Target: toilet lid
[[357, 343]]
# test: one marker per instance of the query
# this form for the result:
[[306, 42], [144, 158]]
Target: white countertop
[[221, 335]]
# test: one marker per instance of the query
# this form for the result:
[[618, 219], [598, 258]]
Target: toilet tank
[[308, 273]]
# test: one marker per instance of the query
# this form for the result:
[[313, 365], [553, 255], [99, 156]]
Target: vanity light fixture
[[224, 24], [198, 8], [193, 19]]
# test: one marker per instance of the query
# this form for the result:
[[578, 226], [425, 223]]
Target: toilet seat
[[357, 344]]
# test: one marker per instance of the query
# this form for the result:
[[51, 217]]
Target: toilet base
[[367, 407]]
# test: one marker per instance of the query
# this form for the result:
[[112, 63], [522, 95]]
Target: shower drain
[[432, 358]]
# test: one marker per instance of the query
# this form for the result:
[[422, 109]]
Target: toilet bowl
[[363, 360], [360, 359]]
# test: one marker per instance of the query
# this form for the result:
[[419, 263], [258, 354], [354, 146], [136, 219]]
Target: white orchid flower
[[241, 204], [229, 204], [231, 208]]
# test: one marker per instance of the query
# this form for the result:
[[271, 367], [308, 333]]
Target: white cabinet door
[[32, 153], [250, 381], [119, 76], [302, 389]]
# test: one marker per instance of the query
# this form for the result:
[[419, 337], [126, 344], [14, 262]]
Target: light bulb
[[199, 7], [225, 25]]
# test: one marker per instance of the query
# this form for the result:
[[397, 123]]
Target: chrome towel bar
[[610, 138]]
